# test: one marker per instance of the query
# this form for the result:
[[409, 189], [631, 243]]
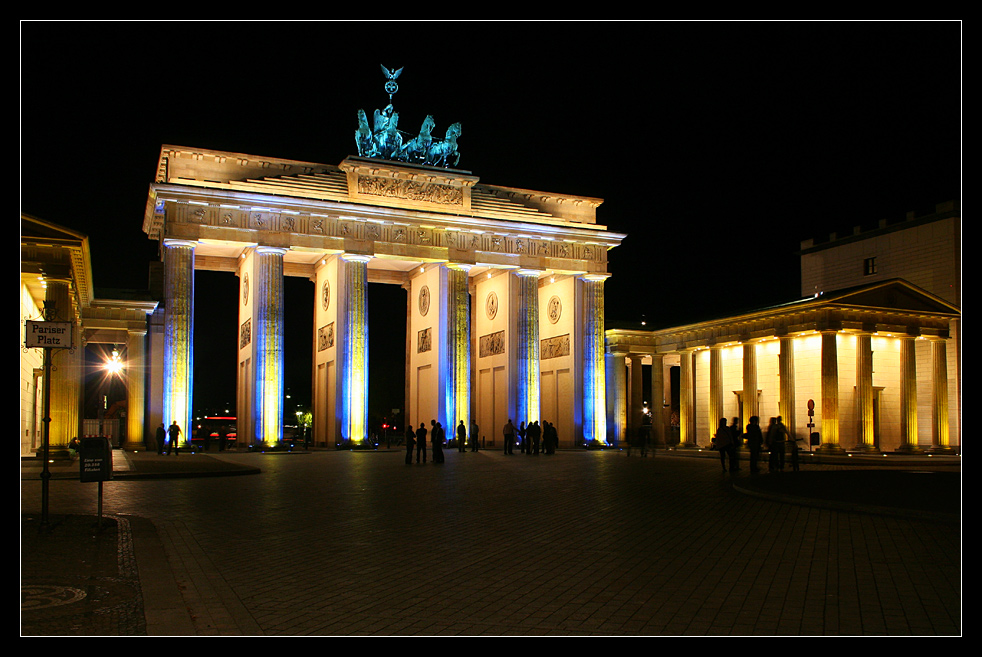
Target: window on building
[[869, 266]]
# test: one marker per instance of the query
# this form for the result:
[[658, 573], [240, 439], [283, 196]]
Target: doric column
[[178, 334], [354, 387], [527, 342], [715, 388], [135, 388], [458, 348], [268, 336], [908, 395], [939, 396], [594, 371], [687, 399], [750, 406], [830, 393], [657, 400], [63, 393], [636, 412], [786, 400], [864, 392], [617, 407]]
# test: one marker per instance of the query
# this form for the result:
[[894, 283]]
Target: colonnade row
[[498, 339], [701, 402]]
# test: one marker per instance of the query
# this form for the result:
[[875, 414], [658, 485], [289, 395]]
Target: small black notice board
[[95, 460]]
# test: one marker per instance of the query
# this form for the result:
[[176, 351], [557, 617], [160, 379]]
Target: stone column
[[657, 400], [636, 411], [830, 393], [618, 406], [939, 396], [594, 370], [715, 388], [458, 349], [864, 392], [354, 358], [63, 393], [786, 401], [908, 395], [267, 329], [687, 399], [750, 405], [178, 260], [527, 342], [135, 389]]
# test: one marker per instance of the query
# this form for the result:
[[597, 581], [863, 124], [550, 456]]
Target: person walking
[[421, 442], [509, 433], [723, 441], [461, 437], [174, 433], [523, 438], [410, 444], [754, 441]]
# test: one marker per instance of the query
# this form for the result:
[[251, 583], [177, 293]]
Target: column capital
[[271, 250], [597, 278], [170, 241], [355, 257]]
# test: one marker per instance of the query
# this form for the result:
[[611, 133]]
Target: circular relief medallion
[[424, 300], [555, 309], [491, 305], [325, 295], [245, 289]]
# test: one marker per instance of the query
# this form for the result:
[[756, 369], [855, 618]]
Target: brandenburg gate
[[505, 286]]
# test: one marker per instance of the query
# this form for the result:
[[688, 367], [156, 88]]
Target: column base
[[941, 449], [910, 449], [829, 449], [863, 448]]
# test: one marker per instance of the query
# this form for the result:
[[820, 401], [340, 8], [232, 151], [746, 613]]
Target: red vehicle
[[210, 428]]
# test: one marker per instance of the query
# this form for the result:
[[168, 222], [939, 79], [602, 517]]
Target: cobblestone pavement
[[577, 543]]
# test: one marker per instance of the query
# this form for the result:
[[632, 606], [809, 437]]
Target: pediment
[[895, 294]]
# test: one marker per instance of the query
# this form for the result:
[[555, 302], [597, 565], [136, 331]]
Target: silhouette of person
[[461, 437], [161, 438], [754, 441], [523, 438], [474, 433], [410, 444], [222, 437], [436, 440], [509, 432], [776, 438], [536, 436], [174, 433], [723, 441], [421, 442]]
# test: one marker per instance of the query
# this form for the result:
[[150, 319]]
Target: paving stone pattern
[[577, 543]]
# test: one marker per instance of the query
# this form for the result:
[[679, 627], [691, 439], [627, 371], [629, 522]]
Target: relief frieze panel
[[410, 190], [492, 344], [325, 337], [554, 347]]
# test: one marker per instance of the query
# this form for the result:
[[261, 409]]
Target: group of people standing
[[532, 438], [728, 438], [416, 441]]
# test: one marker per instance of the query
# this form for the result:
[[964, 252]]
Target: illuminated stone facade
[[56, 269], [504, 288], [869, 362]]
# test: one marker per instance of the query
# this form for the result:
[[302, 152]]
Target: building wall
[[30, 389]]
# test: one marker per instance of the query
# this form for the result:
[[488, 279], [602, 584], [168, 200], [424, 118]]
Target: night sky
[[716, 146]]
